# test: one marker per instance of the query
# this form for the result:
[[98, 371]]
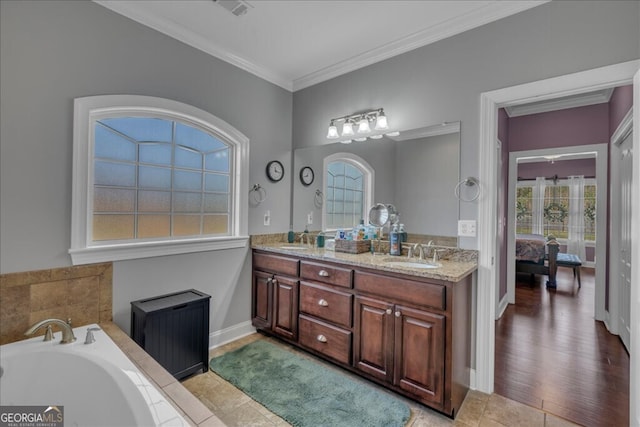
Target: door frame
[[581, 82]]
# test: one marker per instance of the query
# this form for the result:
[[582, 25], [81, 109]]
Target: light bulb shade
[[333, 132], [381, 122], [346, 141], [347, 129], [363, 126], [376, 137], [362, 138]]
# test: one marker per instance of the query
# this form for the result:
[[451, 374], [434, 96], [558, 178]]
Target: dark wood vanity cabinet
[[407, 333], [275, 295]]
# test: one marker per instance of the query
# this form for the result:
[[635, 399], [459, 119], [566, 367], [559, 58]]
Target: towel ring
[[469, 182], [257, 194], [318, 199]]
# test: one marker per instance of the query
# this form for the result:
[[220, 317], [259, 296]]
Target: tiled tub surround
[[84, 294], [81, 293]]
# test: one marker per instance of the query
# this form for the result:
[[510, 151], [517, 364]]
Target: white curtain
[[575, 242], [537, 214]]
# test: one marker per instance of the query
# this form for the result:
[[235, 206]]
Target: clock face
[[275, 170], [306, 175]]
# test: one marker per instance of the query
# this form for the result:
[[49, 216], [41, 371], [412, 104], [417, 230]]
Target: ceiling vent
[[237, 7]]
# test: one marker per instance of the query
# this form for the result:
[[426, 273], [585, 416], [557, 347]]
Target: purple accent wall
[[562, 168], [562, 128], [619, 104]]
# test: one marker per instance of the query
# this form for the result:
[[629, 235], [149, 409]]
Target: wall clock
[[275, 171], [306, 175]]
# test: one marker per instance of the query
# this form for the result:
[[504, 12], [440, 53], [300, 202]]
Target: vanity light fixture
[[364, 122]]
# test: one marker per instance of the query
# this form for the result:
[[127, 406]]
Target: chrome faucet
[[65, 327]]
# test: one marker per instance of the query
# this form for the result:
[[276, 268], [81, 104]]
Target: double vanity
[[403, 323]]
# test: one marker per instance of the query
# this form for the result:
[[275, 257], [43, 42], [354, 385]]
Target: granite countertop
[[453, 269]]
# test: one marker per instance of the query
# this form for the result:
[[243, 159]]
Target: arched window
[[154, 177], [348, 190]]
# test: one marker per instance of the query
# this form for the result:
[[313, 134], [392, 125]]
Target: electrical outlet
[[467, 228], [310, 218], [267, 218]]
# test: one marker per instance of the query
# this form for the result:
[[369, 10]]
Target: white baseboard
[[502, 306], [472, 379], [232, 333]]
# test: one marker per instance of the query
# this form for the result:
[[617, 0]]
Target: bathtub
[[96, 384]]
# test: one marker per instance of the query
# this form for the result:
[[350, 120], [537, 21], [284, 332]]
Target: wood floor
[[552, 355]]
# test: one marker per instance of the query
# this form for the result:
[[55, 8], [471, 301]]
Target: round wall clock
[[275, 171], [306, 175]]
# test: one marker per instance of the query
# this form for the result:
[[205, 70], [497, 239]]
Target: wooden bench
[[571, 261]]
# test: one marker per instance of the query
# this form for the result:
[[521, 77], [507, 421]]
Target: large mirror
[[416, 171]]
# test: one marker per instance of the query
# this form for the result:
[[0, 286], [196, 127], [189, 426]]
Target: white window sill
[[120, 252]]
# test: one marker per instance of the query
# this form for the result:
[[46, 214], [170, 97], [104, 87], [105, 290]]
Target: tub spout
[[67, 332]]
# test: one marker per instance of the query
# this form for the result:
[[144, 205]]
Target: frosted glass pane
[[329, 206], [336, 168], [154, 201], [109, 145], [218, 203], [216, 224], [153, 177], [338, 182], [112, 227], [113, 200], [142, 128], [184, 180], [352, 172], [186, 225], [330, 180], [196, 138], [154, 226], [115, 174], [186, 202], [338, 194], [348, 196], [339, 206], [159, 154], [215, 182], [218, 161], [188, 159], [352, 184]]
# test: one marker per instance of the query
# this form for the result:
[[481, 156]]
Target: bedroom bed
[[537, 255]]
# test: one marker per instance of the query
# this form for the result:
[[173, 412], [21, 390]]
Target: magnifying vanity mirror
[[417, 172]]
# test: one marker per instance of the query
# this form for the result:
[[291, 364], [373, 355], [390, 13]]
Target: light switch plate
[[467, 228], [267, 218], [310, 218]]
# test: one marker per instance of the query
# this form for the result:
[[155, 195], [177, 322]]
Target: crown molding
[[473, 19], [460, 24], [581, 100], [435, 130], [132, 11]]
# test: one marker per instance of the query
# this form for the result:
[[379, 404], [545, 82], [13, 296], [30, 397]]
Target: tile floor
[[235, 408]]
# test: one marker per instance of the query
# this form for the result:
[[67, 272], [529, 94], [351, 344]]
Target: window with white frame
[[556, 204], [348, 190], [154, 177]]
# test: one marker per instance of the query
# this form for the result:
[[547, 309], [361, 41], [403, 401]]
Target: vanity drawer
[[275, 264], [329, 340], [327, 304], [400, 289], [326, 273]]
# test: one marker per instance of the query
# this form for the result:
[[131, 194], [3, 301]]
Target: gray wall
[[443, 81], [54, 51]]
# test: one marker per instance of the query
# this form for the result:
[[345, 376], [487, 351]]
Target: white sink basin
[[409, 264]]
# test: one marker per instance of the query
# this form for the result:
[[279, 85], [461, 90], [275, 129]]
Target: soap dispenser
[[395, 245]]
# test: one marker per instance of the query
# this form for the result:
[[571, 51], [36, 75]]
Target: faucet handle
[[89, 339]]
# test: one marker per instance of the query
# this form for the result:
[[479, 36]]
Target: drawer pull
[[389, 311], [321, 338], [398, 314], [323, 303], [323, 273]]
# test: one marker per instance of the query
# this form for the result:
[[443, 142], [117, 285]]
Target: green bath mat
[[304, 392]]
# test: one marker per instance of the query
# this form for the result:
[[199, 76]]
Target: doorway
[[585, 81]]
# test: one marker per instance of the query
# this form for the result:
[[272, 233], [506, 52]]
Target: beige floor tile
[[512, 413], [245, 415], [553, 421]]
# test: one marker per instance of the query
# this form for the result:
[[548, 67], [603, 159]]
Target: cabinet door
[[285, 307], [374, 337], [420, 353], [262, 300]]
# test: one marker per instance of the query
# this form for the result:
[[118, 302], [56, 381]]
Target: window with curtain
[[154, 177], [559, 205]]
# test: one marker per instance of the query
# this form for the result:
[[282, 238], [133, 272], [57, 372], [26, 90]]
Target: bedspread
[[530, 247]]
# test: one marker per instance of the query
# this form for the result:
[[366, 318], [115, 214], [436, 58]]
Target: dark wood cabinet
[[408, 333]]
